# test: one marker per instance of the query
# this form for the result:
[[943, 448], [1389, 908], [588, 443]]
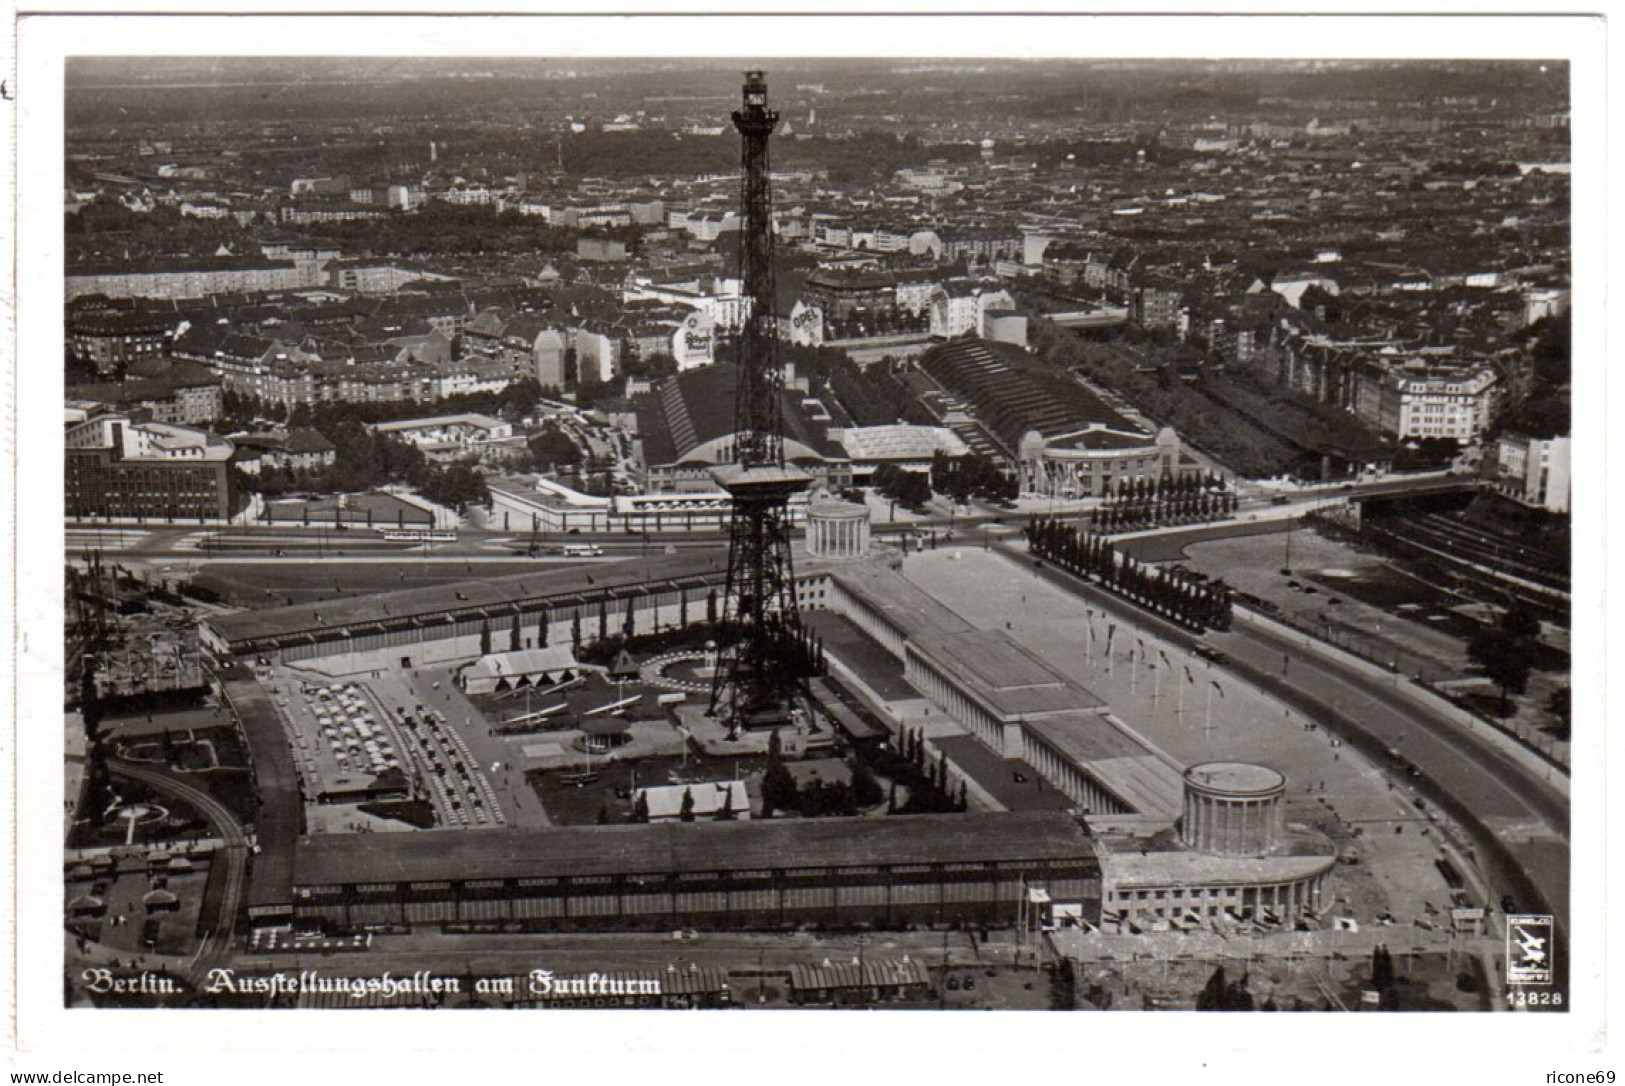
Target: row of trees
[[1133, 517], [930, 791], [1167, 487], [1140, 503], [1173, 593]]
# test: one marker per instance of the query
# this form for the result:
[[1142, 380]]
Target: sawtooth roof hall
[[686, 428], [1066, 441]]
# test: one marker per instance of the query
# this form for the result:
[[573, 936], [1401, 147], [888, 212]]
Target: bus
[[582, 550], [419, 535]]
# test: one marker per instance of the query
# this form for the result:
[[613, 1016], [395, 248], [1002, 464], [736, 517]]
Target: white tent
[[528, 667], [710, 797]]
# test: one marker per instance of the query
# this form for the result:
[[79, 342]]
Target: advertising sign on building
[[694, 342], [806, 325]]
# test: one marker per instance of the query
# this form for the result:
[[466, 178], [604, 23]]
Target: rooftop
[[1235, 778], [492, 597], [1303, 852], [901, 442], [1013, 393], [1118, 760], [697, 407], [909, 610], [482, 422], [673, 847], [1008, 678]]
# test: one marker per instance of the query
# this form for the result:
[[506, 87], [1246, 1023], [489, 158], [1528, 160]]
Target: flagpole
[[1207, 725], [1133, 672]]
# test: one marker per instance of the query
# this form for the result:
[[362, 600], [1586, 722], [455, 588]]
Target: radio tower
[[769, 655]]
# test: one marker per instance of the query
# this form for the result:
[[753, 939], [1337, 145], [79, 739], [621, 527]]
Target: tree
[[1211, 997], [685, 812], [640, 807], [1559, 705], [603, 813], [866, 790], [515, 638], [485, 638], [779, 792], [1518, 621], [553, 449], [725, 813], [1382, 968], [1218, 995], [1505, 660]]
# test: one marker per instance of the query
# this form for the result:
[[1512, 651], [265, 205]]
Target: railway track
[[216, 946]]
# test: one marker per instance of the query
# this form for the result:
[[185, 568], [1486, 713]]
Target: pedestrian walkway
[[106, 539]]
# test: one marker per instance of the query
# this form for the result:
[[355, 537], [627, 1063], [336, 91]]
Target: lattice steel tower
[[768, 653]]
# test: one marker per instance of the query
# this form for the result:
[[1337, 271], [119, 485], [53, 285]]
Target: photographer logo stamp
[[1529, 949]]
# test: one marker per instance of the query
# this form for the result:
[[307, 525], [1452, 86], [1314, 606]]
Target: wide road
[[216, 947], [202, 542], [1520, 822]]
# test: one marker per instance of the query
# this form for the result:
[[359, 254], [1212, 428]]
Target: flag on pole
[[1219, 688], [1164, 656], [1188, 676]]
